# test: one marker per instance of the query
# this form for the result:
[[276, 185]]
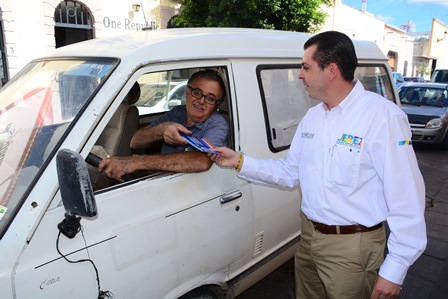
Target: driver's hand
[[117, 167], [171, 133]]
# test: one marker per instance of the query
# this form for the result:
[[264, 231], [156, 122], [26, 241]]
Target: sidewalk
[[428, 277]]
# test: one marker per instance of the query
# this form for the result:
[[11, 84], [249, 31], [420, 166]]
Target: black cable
[[101, 294]]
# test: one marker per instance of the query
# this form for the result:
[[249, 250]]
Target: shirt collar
[[202, 124], [347, 102]]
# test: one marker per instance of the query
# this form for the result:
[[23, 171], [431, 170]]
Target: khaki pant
[[337, 266]]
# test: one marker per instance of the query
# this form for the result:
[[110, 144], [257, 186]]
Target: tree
[[293, 15]]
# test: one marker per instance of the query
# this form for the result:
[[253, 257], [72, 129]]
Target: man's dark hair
[[334, 47], [211, 75]]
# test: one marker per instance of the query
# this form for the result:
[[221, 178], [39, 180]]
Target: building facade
[[42, 26], [396, 45], [45, 25], [433, 51], [410, 53]]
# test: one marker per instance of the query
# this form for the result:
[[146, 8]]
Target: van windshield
[[36, 108]]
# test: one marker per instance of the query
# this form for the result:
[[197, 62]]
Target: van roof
[[203, 43]]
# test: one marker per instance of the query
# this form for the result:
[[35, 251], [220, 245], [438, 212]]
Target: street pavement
[[428, 277]]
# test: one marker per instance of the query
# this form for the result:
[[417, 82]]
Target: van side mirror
[[76, 191]]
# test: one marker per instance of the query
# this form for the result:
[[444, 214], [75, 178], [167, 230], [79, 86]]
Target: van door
[[271, 103], [157, 236]]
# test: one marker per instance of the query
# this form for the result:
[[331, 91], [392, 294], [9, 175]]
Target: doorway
[[73, 23]]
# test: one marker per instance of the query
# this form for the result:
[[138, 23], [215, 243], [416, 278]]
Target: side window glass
[[374, 78], [152, 94], [285, 102], [161, 91]]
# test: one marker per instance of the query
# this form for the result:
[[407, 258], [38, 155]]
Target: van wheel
[[201, 293]]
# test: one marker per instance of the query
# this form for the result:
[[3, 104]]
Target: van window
[[374, 78], [285, 100], [161, 91], [152, 94], [440, 76], [37, 107]]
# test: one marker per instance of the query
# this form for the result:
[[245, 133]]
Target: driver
[[198, 117], [412, 97]]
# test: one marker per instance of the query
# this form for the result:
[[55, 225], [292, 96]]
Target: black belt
[[344, 229]]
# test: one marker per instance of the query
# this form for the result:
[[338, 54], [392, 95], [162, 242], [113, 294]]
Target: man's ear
[[333, 70]]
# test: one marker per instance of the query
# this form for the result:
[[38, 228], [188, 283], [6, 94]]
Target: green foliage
[[293, 15]]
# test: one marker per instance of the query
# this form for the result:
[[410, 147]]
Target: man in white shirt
[[353, 159]]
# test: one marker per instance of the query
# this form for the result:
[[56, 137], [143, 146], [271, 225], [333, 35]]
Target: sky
[[400, 12]]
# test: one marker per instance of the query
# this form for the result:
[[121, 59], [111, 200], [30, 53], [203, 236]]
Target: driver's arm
[[169, 132], [116, 167]]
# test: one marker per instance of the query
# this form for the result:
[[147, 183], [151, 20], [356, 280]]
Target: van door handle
[[230, 197]]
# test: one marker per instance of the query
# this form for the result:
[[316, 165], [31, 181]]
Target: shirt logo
[[308, 135], [404, 142], [350, 140]]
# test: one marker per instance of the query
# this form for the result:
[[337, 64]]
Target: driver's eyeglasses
[[208, 98]]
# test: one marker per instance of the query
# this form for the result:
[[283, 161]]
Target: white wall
[[29, 24], [26, 33], [354, 23], [438, 42], [364, 26]]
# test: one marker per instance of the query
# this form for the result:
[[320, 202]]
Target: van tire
[[201, 293]]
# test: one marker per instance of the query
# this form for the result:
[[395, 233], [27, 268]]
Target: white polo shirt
[[355, 165]]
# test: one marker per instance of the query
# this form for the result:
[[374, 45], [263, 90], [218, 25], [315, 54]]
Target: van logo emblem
[[49, 281]]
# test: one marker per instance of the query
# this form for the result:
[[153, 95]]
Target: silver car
[[426, 105]]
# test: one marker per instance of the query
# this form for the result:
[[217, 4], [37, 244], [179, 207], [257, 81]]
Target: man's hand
[[116, 167], [226, 157], [171, 133], [385, 289]]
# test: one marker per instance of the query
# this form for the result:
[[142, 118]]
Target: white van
[[68, 232], [440, 74]]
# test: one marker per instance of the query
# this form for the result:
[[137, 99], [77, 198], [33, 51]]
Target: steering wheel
[[95, 161]]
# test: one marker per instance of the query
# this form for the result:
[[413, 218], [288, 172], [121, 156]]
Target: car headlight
[[434, 123]]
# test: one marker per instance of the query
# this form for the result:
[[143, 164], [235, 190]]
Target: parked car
[[398, 79], [67, 231], [156, 97], [414, 79], [426, 106]]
